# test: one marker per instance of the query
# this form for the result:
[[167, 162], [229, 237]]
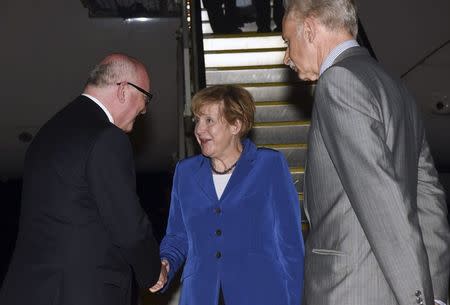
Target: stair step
[[283, 111], [205, 16], [295, 154], [244, 57], [258, 74], [281, 91], [247, 27], [243, 41], [280, 132]]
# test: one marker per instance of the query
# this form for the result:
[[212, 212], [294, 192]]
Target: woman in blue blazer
[[234, 217]]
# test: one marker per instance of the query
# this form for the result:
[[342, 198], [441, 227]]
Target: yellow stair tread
[[265, 67], [257, 50], [297, 170], [281, 124], [284, 146], [239, 35]]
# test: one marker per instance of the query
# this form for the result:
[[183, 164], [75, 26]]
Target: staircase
[[283, 102]]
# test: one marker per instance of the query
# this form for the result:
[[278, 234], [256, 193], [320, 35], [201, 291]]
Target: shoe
[[235, 31]]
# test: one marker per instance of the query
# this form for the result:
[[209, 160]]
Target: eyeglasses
[[148, 95]]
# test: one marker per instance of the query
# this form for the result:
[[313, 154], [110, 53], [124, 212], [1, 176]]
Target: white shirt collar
[[338, 50], [108, 114]]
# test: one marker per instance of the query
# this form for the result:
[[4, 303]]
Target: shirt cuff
[[439, 302]]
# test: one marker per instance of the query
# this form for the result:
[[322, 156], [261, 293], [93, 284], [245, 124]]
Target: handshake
[[162, 277]]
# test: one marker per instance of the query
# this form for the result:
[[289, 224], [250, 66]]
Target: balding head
[[113, 69], [335, 15], [109, 82]]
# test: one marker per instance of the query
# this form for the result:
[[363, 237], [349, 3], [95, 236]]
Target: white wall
[[48, 48]]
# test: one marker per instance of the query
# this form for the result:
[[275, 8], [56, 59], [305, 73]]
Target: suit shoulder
[[110, 138], [190, 163], [268, 154], [364, 68]]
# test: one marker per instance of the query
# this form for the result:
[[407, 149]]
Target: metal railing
[[193, 64]]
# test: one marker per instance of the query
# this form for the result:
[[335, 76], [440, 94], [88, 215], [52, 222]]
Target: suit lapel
[[243, 168], [86, 102], [205, 181]]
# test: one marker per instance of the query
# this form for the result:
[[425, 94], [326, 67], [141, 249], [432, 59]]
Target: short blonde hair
[[235, 102]]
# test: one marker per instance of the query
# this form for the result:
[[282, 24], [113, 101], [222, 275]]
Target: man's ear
[[309, 29], [236, 127], [121, 92]]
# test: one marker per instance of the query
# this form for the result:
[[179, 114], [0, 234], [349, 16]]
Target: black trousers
[[222, 22], [263, 13]]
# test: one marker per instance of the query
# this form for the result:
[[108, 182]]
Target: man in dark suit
[[263, 16], [83, 237], [222, 21], [377, 212]]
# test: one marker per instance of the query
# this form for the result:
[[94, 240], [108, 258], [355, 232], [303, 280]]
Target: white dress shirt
[[108, 114]]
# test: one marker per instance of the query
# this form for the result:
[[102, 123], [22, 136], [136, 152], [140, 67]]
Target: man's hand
[[162, 277]]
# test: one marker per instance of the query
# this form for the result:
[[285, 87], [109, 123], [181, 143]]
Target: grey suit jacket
[[379, 233]]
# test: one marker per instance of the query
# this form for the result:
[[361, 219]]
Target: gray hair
[[111, 72], [333, 14]]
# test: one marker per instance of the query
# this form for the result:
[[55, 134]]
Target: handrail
[[428, 55], [197, 46], [194, 71]]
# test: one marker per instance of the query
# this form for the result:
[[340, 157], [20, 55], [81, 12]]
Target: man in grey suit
[[379, 233]]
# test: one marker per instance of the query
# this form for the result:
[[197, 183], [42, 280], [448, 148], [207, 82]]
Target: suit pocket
[[114, 288], [328, 252], [327, 264]]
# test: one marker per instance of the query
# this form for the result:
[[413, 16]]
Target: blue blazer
[[249, 242]]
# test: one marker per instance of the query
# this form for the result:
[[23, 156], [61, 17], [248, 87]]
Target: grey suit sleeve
[[354, 135], [435, 229], [112, 182]]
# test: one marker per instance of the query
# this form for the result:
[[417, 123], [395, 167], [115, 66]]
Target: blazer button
[[218, 232], [419, 300], [217, 210], [218, 254], [418, 293]]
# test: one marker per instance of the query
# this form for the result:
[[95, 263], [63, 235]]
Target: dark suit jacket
[[83, 234], [249, 241]]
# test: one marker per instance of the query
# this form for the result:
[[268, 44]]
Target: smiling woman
[[235, 204], [223, 115]]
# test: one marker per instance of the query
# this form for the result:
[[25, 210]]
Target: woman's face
[[216, 137]]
